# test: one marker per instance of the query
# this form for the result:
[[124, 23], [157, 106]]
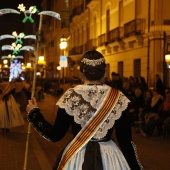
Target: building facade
[[133, 35]]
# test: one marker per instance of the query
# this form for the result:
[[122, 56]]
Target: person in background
[[136, 105], [142, 84], [10, 114], [156, 119], [94, 110], [144, 110], [159, 85], [116, 81]]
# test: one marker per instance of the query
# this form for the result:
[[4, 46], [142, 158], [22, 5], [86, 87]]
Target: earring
[[82, 79]]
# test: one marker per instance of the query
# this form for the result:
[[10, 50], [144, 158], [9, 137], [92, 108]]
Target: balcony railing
[[72, 51], [102, 40], [114, 35], [79, 49], [135, 27], [76, 11], [91, 44], [76, 50]]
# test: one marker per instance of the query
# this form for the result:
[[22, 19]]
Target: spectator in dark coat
[[136, 106], [159, 85], [116, 81]]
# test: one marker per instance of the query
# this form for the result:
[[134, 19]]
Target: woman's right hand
[[31, 104]]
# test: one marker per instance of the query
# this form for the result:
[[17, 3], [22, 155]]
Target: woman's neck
[[92, 82]]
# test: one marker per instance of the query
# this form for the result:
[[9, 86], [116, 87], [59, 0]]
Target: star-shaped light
[[21, 7]]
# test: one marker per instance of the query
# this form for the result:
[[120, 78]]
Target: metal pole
[[32, 95]]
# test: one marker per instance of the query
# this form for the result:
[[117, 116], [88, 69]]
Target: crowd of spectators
[[149, 109]]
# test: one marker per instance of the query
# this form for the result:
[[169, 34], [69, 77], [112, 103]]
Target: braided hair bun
[[93, 65]]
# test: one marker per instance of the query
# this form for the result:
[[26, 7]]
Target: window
[[108, 71], [138, 7], [95, 26], [120, 68], [137, 68], [120, 11], [87, 32], [107, 24], [108, 20]]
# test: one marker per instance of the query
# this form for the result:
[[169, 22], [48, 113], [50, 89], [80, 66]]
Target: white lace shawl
[[82, 102]]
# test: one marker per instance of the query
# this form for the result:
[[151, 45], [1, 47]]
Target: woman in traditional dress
[[93, 109], [10, 114]]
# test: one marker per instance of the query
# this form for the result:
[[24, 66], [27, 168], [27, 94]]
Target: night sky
[[13, 22]]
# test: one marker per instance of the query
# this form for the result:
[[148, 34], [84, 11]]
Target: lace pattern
[[82, 102], [136, 155]]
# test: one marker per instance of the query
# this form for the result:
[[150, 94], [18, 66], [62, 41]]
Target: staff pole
[[33, 93]]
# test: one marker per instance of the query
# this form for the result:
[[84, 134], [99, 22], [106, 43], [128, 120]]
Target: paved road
[[154, 152]]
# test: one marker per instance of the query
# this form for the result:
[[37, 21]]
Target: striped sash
[[90, 128]]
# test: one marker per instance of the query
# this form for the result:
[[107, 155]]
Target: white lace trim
[[82, 102], [136, 155]]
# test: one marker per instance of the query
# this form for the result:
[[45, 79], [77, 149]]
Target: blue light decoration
[[15, 70]]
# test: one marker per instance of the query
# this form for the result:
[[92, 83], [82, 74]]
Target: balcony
[[91, 44], [102, 40], [114, 35], [134, 27], [76, 50], [76, 11]]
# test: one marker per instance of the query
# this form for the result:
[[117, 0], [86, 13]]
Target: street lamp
[[5, 61], [41, 60], [167, 59], [63, 43], [63, 46], [28, 65], [59, 67]]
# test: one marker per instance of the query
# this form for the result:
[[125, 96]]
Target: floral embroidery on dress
[[82, 102]]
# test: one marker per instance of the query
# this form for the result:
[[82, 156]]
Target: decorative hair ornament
[[93, 62]]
